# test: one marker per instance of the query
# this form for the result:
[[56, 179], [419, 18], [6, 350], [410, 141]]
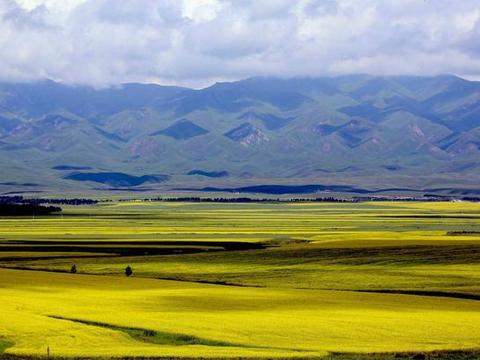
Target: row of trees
[[248, 199], [27, 210], [21, 200], [128, 270]]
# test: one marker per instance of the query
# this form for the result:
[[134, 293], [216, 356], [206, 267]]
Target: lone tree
[[128, 271], [73, 269]]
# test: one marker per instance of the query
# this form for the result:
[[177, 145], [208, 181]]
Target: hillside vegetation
[[326, 131]]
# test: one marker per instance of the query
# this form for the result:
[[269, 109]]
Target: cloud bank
[[197, 42]]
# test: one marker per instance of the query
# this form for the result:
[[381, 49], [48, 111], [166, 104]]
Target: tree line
[[248, 199], [21, 200], [27, 210]]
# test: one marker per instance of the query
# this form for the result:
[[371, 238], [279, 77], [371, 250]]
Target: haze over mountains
[[359, 130]]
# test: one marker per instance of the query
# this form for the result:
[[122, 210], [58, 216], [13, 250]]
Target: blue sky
[[197, 42]]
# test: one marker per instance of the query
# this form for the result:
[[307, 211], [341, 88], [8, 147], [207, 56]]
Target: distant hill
[[360, 131]]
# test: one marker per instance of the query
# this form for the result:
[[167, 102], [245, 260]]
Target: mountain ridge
[[385, 130]]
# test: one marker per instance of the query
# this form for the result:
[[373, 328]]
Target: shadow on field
[[447, 294], [167, 338], [127, 248], [153, 336]]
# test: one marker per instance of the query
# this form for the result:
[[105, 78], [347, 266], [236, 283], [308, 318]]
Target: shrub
[[128, 271]]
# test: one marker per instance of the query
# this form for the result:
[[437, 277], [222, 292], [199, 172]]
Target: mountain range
[[404, 132]]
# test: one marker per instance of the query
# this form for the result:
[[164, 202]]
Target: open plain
[[257, 280]]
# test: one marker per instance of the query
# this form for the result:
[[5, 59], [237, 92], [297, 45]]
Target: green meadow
[[375, 280]]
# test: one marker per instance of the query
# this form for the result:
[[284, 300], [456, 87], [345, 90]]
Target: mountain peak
[[267, 127]]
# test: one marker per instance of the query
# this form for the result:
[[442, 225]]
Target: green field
[[282, 280]]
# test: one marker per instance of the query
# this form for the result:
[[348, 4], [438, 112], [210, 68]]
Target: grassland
[[244, 280]]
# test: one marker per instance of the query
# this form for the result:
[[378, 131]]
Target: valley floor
[[296, 280]]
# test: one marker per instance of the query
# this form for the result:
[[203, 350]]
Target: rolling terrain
[[271, 280], [414, 133]]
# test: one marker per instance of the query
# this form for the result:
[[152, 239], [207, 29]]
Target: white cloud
[[201, 10], [195, 42]]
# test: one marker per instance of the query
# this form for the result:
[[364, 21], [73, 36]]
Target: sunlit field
[[281, 280]]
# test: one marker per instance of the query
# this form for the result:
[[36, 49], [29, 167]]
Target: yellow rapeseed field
[[319, 285], [257, 322]]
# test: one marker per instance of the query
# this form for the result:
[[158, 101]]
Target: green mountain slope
[[416, 132]]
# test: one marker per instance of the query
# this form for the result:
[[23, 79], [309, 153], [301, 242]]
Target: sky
[[198, 42]]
